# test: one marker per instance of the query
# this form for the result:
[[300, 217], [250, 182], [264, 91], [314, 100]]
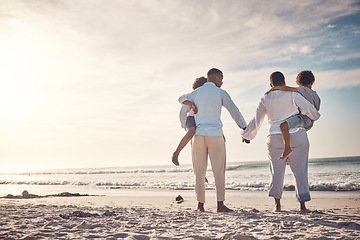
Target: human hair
[[199, 82], [214, 71], [305, 78], [277, 79]]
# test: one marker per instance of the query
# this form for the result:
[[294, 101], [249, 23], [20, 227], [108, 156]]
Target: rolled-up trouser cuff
[[304, 197]]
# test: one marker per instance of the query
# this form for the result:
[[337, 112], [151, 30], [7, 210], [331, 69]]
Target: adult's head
[[216, 76], [277, 79], [305, 78], [199, 82]]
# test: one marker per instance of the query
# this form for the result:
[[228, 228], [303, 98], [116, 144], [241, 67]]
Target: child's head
[[305, 78], [199, 82]]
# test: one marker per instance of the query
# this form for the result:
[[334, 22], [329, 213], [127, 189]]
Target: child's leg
[[188, 136], [284, 127]]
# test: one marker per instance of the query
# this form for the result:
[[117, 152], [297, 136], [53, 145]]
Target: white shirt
[[209, 100], [278, 106], [185, 110]]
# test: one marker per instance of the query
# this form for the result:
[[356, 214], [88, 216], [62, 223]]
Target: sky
[[93, 83]]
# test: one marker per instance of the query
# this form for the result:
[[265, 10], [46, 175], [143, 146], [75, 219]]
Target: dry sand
[[156, 215]]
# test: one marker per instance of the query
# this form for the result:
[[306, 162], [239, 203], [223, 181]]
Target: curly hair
[[199, 82], [305, 78]]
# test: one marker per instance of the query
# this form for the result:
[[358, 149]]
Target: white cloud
[[337, 79], [297, 49]]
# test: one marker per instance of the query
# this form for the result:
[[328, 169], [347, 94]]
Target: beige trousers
[[214, 147]]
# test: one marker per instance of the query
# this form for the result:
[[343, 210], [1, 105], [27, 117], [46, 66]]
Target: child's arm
[[282, 88], [187, 102]]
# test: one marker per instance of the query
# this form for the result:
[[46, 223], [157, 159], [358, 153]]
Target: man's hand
[[194, 108], [243, 139], [187, 102]]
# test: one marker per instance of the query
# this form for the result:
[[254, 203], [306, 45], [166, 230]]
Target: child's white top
[[185, 111]]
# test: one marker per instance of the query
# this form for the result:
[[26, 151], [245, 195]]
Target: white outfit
[[209, 139], [278, 106]]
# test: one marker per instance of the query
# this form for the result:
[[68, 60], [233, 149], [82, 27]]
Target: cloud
[[109, 73], [154, 39], [337, 79], [291, 49]]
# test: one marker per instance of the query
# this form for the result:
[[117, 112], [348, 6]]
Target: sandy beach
[[155, 214]]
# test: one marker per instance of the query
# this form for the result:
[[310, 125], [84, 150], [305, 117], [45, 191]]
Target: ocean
[[325, 174]]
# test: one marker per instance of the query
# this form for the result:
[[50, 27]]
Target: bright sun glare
[[25, 70], [22, 65]]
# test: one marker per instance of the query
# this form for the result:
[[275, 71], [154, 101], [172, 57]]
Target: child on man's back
[[305, 80]]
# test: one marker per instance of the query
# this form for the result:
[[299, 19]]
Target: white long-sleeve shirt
[[209, 100], [278, 106], [185, 110]]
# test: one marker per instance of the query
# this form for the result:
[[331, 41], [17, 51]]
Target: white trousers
[[298, 162], [214, 147]]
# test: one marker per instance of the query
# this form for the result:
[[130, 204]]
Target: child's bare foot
[[286, 153], [175, 159], [206, 180]]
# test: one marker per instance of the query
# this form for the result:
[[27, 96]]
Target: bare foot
[[200, 207], [224, 209], [277, 205], [206, 180], [303, 209], [286, 153], [175, 159], [277, 208]]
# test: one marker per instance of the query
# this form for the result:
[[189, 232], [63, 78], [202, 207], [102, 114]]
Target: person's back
[[278, 106], [305, 79], [275, 101], [208, 100], [209, 141]]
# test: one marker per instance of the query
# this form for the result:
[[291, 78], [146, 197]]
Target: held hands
[[245, 140]]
